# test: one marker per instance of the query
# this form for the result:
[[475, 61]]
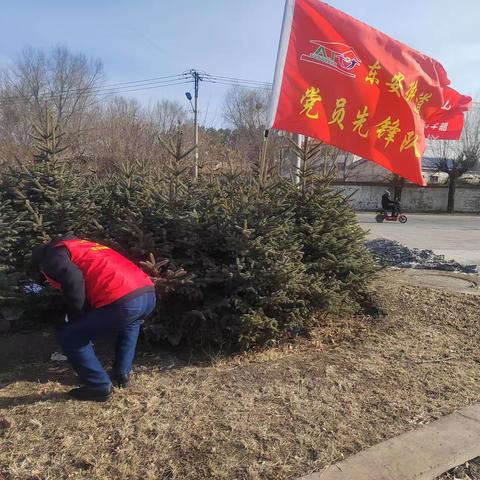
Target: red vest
[[108, 275]]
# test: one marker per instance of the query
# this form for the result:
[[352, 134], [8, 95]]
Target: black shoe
[[94, 394], [120, 380]]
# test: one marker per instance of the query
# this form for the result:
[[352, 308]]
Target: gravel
[[394, 254], [468, 471]]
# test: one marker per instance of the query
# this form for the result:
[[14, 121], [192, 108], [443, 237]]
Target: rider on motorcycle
[[388, 204]]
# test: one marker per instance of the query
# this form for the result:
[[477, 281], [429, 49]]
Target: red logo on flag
[[334, 55]]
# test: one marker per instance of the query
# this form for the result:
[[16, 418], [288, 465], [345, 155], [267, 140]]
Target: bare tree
[[471, 131], [123, 134], [246, 109], [58, 85], [15, 129], [63, 81], [167, 115], [397, 183], [455, 168]]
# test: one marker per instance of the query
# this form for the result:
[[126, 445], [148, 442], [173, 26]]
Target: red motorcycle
[[383, 215]]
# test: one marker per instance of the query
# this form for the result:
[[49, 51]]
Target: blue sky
[[140, 39]]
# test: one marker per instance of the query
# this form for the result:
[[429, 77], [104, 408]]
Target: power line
[[105, 90], [146, 82], [145, 88], [106, 96], [141, 85], [98, 91], [238, 84], [155, 79], [135, 88], [238, 80]]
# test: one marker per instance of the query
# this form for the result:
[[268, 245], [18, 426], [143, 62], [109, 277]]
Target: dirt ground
[[276, 414]]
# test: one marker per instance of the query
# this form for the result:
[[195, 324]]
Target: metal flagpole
[[263, 157], [298, 139]]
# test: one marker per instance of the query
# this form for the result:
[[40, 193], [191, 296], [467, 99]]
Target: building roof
[[430, 164]]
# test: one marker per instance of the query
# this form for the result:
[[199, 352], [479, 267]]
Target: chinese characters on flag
[[351, 86], [447, 124]]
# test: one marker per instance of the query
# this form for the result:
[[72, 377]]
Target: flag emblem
[[334, 55]]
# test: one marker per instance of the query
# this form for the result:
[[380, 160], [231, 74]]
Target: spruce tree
[[13, 301], [333, 241], [263, 256], [10, 232], [50, 192]]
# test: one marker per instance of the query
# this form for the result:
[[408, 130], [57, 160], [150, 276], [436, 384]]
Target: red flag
[[447, 124], [349, 85]]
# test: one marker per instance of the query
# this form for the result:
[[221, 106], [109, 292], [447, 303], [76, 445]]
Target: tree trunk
[[452, 184], [397, 192], [398, 183]]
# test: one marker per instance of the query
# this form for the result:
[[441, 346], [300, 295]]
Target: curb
[[421, 454]]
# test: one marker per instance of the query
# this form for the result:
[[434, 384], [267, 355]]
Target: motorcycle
[[383, 215]]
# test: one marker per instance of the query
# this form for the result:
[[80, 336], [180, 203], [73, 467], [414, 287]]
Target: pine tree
[[10, 232], [12, 304], [136, 197], [263, 256], [50, 193], [333, 241], [249, 283], [124, 197]]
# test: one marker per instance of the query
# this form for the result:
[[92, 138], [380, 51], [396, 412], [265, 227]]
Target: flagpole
[[280, 63], [298, 139], [263, 158]]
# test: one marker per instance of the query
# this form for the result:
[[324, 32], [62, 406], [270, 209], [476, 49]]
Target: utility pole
[[196, 78]]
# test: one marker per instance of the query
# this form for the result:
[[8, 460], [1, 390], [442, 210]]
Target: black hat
[[37, 256]]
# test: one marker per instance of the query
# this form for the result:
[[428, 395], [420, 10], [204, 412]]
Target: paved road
[[455, 236]]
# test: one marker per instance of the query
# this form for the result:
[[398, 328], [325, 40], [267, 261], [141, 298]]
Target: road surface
[[455, 236]]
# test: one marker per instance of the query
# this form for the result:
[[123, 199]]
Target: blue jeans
[[118, 321]]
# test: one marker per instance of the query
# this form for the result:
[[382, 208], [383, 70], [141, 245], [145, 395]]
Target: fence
[[367, 196]]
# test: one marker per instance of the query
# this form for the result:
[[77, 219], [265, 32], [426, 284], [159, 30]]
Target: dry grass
[[276, 414]]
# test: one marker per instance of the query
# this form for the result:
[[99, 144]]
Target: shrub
[[265, 257], [263, 264]]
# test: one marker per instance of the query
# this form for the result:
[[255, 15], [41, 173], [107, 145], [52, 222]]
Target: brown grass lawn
[[275, 414]]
